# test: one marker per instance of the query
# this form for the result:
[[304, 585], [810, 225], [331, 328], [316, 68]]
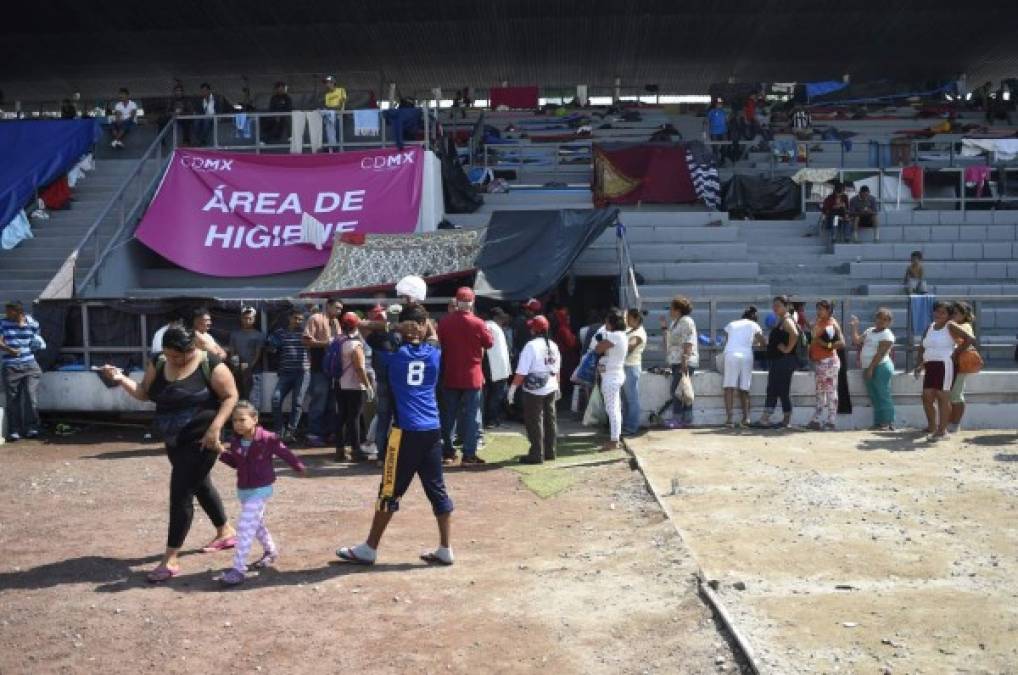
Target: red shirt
[[464, 337]]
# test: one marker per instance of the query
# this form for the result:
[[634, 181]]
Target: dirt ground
[[859, 552], [593, 580]]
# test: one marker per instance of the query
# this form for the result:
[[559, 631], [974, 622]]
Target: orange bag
[[969, 362]]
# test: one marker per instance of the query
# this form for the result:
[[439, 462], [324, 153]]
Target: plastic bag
[[595, 415], [684, 390]]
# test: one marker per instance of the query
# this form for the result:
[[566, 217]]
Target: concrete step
[[666, 252], [948, 251], [661, 273], [947, 289], [663, 293], [943, 272]]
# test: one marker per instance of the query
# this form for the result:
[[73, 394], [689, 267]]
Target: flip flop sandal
[[346, 553], [161, 574], [220, 545], [267, 560], [433, 559]]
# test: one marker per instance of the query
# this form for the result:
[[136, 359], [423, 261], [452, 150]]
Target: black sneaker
[[527, 459], [473, 460]]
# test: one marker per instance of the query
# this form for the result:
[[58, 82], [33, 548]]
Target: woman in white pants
[[741, 336], [613, 346]]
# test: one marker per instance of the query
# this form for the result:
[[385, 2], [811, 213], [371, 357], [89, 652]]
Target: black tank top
[[191, 392], [778, 336]]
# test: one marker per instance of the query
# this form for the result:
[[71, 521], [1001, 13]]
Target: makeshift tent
[[527, 253], [380, 260], [35, 153], [627, 173], [521, 254], [460, 196], [880, 91], [513, 97], [761, 198]]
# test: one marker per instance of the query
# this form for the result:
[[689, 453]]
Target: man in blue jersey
[[19, 338], [415, 442]]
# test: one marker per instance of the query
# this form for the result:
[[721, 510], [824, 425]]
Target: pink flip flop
[[220, 545], [161, 574]]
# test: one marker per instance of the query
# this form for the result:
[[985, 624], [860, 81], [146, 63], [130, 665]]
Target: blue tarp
[[34, 153], [814, 89]]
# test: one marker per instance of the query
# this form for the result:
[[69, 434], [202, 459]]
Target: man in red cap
[[463, 337]]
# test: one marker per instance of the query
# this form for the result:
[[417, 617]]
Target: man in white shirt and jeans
[[124, 113], [497, 370]]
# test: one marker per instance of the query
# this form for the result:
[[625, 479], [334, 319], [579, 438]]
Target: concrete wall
[[992, 397]]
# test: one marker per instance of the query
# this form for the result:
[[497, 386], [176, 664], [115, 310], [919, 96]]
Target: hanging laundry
[[312, 231], [1003, 149], [913, 177], [366, 123], [704, 174], [814, 176], [16, 231], [976, 177]]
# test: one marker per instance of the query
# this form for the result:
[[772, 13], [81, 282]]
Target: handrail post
[[215, 131], [381, 122], [340, 115], [258, 134]]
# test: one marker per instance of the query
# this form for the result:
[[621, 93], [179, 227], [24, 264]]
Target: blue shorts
[[411, 453]]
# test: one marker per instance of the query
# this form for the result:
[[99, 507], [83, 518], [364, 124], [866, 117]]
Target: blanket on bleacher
[[654, 173]]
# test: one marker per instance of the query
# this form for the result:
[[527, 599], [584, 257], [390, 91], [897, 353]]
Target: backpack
[[332, 362]]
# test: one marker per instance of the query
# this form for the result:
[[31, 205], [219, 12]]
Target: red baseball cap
[[533, 304], [538, 324], [464, 294], [350, 320]]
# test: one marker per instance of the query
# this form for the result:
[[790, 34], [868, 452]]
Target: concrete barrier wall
[[992, 397]]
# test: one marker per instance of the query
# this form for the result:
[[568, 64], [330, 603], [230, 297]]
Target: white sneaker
[[113, 144]]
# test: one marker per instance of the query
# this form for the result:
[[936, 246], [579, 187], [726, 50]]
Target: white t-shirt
[[635, 357], [615, 358], [540, 357], [498, 355], [740, 336], [124, 110], [871, 340]]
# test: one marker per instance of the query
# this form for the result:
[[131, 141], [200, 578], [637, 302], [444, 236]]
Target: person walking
[[741, 336], [875, 344], [683, 356], [245, 349], [613, 346], [936, 366], [416, 441], [782, 364], [538, 374], [963, 317], [497, 370], [194, 393], [463, 337], [352, 386], [636, 336], [823, 352], [251, 453], [321, 327], [19, 340], [291, 373]]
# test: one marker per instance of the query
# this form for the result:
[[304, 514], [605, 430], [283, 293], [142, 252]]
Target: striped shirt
[[19, 337], [289, 346]]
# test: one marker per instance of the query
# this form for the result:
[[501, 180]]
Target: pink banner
[[230, 214]]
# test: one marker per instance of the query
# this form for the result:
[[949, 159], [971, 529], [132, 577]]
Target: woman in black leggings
[[194, 393], [783, 363]]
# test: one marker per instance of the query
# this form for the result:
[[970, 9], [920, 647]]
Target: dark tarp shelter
[[527, 253], [761, 198], [33, 153], [460, 195]]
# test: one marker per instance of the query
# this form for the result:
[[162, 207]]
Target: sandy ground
[[860, 552], [593, 580]]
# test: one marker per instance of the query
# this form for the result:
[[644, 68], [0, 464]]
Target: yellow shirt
[[336, 98]]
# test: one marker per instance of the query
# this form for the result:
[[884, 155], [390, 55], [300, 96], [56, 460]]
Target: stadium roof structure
[[49, 48]]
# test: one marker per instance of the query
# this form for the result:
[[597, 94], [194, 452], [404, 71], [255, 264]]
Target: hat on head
[[538, 324], [244, 311], [329, 78], [395, 309], [533, 304], [464, 294], [350, 320], [412, 287]]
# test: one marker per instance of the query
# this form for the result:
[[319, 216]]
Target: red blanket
[[56, 195], [648, 172], [514, 97]]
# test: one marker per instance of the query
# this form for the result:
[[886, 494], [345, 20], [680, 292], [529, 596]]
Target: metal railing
[[124, 206], [247, 131], [721, 310]]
